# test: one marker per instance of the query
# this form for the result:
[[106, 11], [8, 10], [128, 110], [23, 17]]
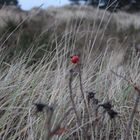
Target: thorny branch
[[71, 98], [129, 125], [74, 106], [82, 91]]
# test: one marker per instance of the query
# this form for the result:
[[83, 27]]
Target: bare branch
[[82, 91], [124, 78], [129, 125], [71, 97]]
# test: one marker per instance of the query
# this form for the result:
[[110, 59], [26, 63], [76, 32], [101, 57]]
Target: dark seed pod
[[95, 101], [112, 113], [40, 106], [71, 71], [106, 105], [91, 95]]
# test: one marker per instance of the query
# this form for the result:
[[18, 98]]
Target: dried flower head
[[40, 106], [106, 105], [91, 96], [112, 113], [108, 108]]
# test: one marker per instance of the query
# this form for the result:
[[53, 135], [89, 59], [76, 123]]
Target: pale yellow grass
[[47, 81]]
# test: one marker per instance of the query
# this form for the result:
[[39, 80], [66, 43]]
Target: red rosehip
[[74, 59]]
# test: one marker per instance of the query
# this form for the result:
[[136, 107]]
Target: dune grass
[[36, 69]]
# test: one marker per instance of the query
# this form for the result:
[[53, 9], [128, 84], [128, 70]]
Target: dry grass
[[104, 41]]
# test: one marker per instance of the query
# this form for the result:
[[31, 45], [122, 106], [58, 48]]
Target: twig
[[129, 125], [124, 78], [84, 133], [128, 129], [82, 91], [85, 100], [71, 98]]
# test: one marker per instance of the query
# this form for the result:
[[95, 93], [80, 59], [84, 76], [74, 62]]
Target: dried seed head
[[95, 101], [40, 106], [112, 113], [106, 105], [91, 95]]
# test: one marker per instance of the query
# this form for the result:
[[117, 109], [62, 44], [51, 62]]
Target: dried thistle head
[[106, 105], [40, 106], [112, 113], [91, 96], [108, 108]]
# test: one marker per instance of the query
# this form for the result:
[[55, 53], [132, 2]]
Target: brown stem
[[82, 91], [129, 126], [84, 133], [84, 98], [124, 78], [71, 98]]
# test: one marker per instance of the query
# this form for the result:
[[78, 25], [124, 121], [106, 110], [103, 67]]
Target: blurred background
[[113, 4]]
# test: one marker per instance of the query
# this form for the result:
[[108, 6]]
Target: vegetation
[[9, 2], [111, 4], [75, 1], [69, 73]]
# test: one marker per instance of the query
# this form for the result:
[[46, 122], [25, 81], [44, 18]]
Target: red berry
[[74, 59]]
